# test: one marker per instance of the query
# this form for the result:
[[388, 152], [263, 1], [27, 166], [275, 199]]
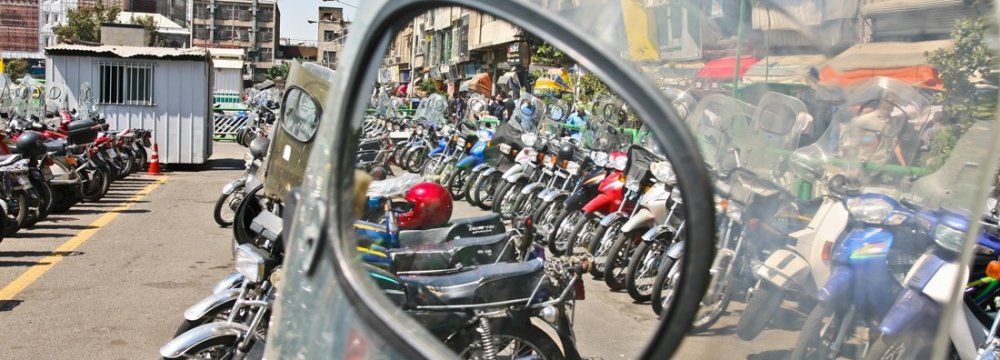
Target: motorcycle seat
[[453, 254], [484, 225], [6, 160], [370, 145], [482, 284]]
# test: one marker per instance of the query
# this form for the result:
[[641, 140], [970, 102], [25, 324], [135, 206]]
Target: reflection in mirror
[[532, 213]]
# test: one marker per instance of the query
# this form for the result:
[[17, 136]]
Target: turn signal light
[[827, 249], [71, 161], [993, 269]]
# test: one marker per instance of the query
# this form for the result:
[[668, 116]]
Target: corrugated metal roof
[[787, 15], [886, 55], [161, 22], [236, 53], [227, 64], [874, 7], [128, 51]]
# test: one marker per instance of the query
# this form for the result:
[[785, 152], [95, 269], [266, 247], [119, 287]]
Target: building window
[[329, 35], [329, 57], [265, 14], [201, 32], [126, 83], [266, 54], [266, 34]]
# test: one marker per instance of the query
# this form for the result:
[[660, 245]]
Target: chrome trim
[[214, 301], [176, 347], [232, 186], [231, 281]]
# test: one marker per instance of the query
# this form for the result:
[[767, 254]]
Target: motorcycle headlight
[[504, 148], [249, 263], [600, 158], [460, 142], [873, 211], [632, 184], [572, 167], [663, 172], [948, 237], [675, 195], [619, 163], [529, 139], [734, 211]]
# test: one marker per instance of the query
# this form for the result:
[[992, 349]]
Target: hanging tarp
[[903, 61], [725, 67], [479, 83], [789, 70], [548, 86]]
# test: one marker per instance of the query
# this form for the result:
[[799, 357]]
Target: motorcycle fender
[[909, 308], [837, 289], [480, 167], [654, 232], [531, 187], [554, 194], [643, 219], [610, 218], [232, 186], [515, 172], [466, 162], [676, 250], [176, 347], [214, 301], [489, 170], [785, 269], [230, 281], [252, 182], [934, 277]]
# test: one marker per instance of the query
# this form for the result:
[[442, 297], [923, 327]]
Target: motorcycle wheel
[[96, 185], [17, 211], [456, 183], [45, 195], [63, 198], [811, 343], [467, 188], [484, 190], [223, 347], [600, 247], [34, 198], [249, 209], [583, 229], [642, 269], [544, 217], [901, 347], [126, 162], [219, 314], [226, 205], [403, 156], [665, 284], [522, 205], [140, 158], [562, 226], [432, 167], [515, 342], [716, 300], [619, 257], [503, 203], [417, 160], [765, 300]]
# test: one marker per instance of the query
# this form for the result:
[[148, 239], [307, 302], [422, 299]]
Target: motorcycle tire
[[403, 156], [485, 196], [643, 269], [544, 216], [523, 202], [418, 160], [584, 228], [530, 337], [231, 201], [558, 245], [63, 198], [765, 300], [467, 188], [36, 206], [456, 183], [810, 340], [17, 212], [96, 185], [249, 208], [717, 307], [506, 197], [45, 195], [196, 351], [666, 279], [432, 168], [126, 162], [906, 346], [619, 256], [600, 247], [141, 158]]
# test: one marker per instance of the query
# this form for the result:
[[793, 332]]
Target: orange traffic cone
[[154, 163]]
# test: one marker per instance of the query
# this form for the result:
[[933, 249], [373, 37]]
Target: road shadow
[[101, 211], [771, 355], [52, 219], [225, 164], [8, 305], [37, 235], [47, 225], [38, 253], [726, 330], [21, 263], [136, 180]]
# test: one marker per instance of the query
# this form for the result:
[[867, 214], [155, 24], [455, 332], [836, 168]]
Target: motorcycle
[[233, 193]]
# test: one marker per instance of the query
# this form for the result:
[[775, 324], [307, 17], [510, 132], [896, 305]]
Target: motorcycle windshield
[[434, 107], [86, 101], [6, 95], [528, 112], [31, 100], [394, 186], [716, 123], [772, 135]]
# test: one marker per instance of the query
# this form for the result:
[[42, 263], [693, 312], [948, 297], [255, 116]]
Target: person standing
[[508, 106], [497, 107]]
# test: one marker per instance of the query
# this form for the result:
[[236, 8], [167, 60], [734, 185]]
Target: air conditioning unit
[[397, 60]]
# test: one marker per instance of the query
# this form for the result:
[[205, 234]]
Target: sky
[[294, 14]]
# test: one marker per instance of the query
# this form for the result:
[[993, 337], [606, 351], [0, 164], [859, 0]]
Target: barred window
[[126, 83]]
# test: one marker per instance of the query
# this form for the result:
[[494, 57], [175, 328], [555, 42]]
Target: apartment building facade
[[252, 25], [332, 31]]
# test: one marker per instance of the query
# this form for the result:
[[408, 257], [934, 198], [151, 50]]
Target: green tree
[[428, 86], [548, 55], [591, 86], [961, 68], [15, 69], [153, 37], [84, 23], [278, 71]]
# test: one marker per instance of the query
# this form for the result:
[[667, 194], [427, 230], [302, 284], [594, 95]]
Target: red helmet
[[431, 207]]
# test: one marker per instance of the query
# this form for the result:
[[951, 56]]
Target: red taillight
[[993, 269], [827, 249], [48, 161], [581, 294]]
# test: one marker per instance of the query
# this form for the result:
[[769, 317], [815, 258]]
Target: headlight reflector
[[249, 263]]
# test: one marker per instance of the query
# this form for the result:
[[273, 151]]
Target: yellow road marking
[[33, 273]]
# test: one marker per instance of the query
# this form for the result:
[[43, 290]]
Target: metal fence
[[228, 123]]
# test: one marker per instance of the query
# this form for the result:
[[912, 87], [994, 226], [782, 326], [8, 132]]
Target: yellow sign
[[3, 68], [640, 31]]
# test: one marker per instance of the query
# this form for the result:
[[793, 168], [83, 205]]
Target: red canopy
[[723, 67]]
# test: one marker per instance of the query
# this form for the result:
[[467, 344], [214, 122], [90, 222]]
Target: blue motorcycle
[[461, 177]]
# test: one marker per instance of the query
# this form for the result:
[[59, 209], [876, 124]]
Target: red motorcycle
[[608, 200]]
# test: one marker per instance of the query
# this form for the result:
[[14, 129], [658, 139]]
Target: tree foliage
[[15, 68], [153, 37], [84, 23], [547, 55], [278, 71], [960, 68], [591, 86], [428, 86]]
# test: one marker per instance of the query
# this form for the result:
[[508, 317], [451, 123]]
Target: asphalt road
[[111, 280]]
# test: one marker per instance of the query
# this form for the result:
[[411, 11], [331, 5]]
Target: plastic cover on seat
[[484, 284], [394, 186]]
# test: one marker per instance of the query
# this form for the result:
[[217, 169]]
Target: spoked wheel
[[226, 205], [528, 342], [562, 227], [456, 183], [484, 191], [818, 333], [600, 246], [17, 211], [720, 291], [583, 231], [417, 160], [432, 168], [642, 270], [618, 259], [506, 199], [545, 217], [223, 347], [665, 285]]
